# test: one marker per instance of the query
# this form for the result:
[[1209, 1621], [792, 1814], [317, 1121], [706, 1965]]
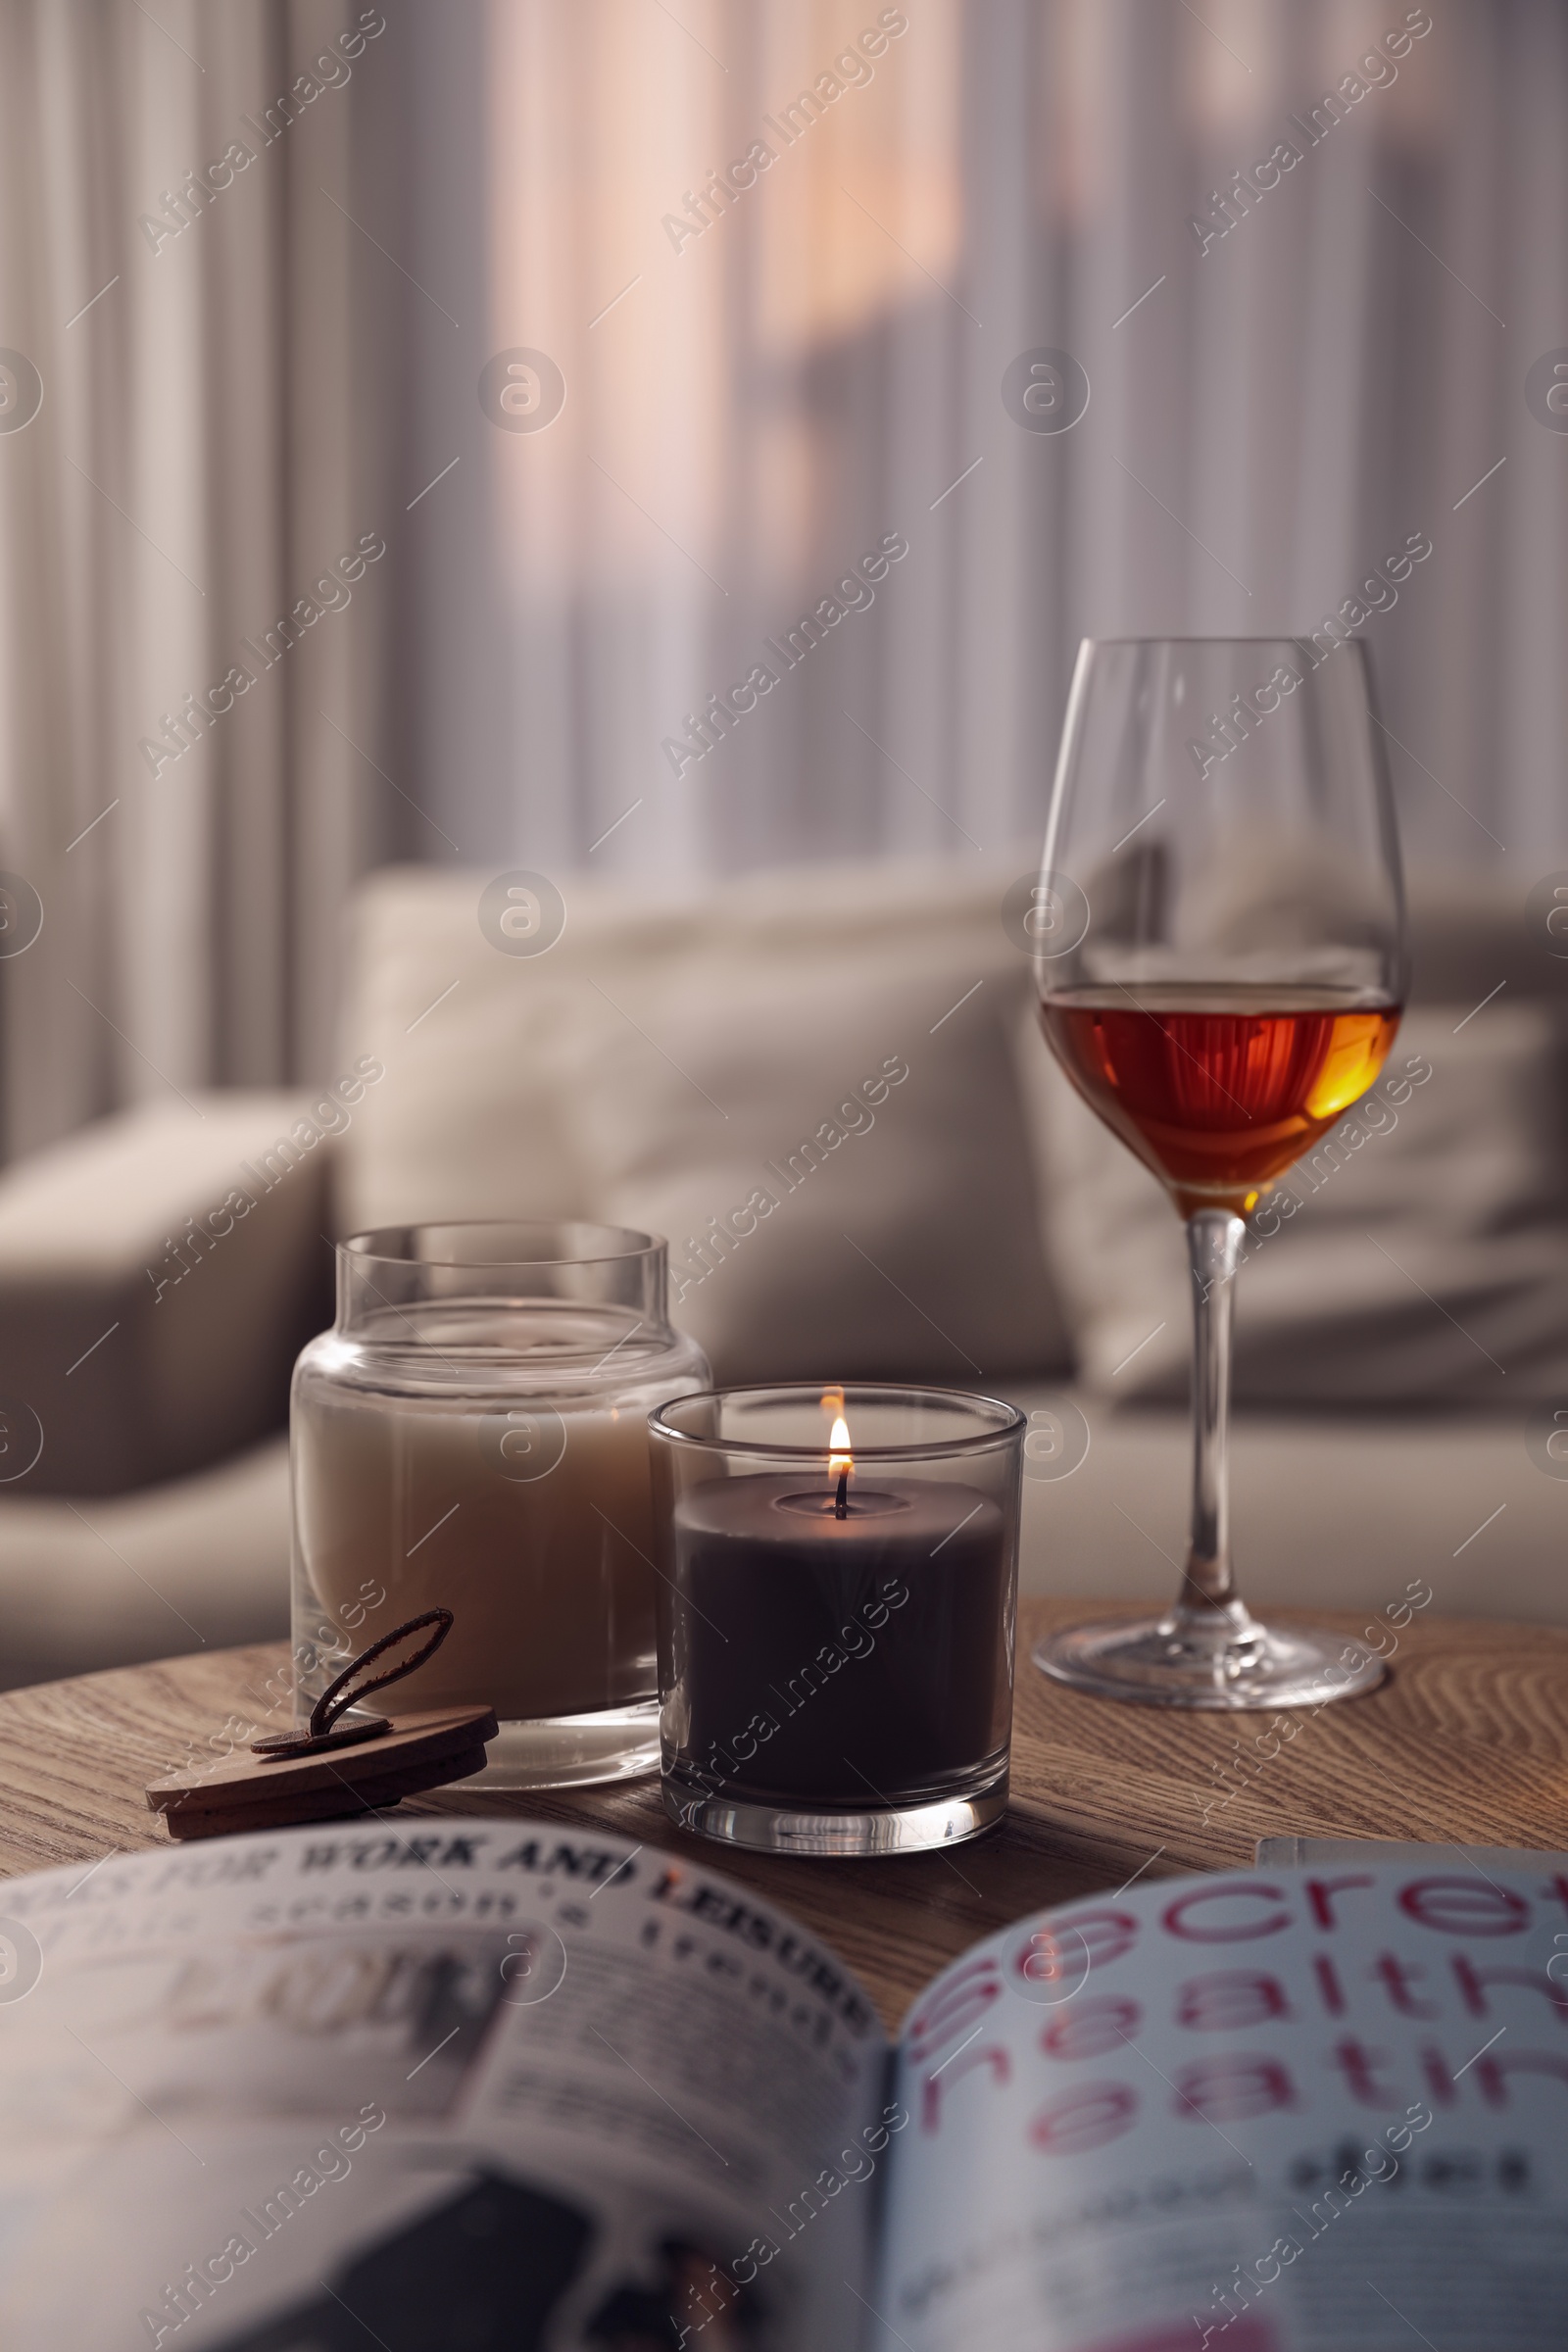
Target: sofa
[[828, 1089]]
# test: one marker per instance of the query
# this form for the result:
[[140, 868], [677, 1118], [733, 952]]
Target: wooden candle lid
[[330, 1769], [255, 1792]]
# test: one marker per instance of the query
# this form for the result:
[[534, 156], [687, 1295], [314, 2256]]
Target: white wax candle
[[549, 1577]]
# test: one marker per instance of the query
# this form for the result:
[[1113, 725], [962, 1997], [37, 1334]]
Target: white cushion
[[1425, 1260], [643, 1068], [864, 1206]]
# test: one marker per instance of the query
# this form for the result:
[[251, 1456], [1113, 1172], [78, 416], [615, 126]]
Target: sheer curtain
[[1273, 411], [765, 383], [177, 280]]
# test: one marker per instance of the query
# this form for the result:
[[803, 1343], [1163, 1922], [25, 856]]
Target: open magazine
[[445, 2087]]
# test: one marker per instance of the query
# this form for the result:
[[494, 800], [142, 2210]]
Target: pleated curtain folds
[[770, 373], [208, 447]]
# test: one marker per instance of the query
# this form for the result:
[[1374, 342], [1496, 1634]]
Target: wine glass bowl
[[1222, 1093], [1222, 813]]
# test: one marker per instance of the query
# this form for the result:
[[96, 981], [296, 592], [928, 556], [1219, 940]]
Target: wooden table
[[1467, 1740]]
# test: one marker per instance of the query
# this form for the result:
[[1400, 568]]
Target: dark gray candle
[[837, 1661]]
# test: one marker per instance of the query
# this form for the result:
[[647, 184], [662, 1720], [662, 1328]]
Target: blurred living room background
[[463, 380]]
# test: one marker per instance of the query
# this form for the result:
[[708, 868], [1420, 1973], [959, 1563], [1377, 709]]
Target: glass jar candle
[[836, 1604], [472, 1432]]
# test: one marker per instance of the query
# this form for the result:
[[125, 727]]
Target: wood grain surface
[[1467, 1742]]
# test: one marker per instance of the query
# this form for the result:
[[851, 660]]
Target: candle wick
[[841, 1507]]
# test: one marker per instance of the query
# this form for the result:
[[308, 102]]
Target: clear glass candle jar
[[837, 1585], [472, 1432]]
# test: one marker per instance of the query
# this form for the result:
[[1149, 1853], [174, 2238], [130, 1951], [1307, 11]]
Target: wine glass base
[[1225, 1661]]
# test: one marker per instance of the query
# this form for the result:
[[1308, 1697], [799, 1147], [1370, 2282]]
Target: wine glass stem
[[1214, 1246]]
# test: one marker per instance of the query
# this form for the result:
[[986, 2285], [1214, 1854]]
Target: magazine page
[[428, 2084], [1291, 2111]]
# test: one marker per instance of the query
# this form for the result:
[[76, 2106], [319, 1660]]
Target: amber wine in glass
[[1219, 950]]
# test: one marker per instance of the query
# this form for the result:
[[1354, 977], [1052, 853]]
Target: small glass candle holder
[[473, 1433], [838, 1587]]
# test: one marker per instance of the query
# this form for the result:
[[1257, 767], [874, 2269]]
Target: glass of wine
[[1219, 950]]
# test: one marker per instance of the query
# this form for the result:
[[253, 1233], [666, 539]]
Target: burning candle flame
[[840, 1459]]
